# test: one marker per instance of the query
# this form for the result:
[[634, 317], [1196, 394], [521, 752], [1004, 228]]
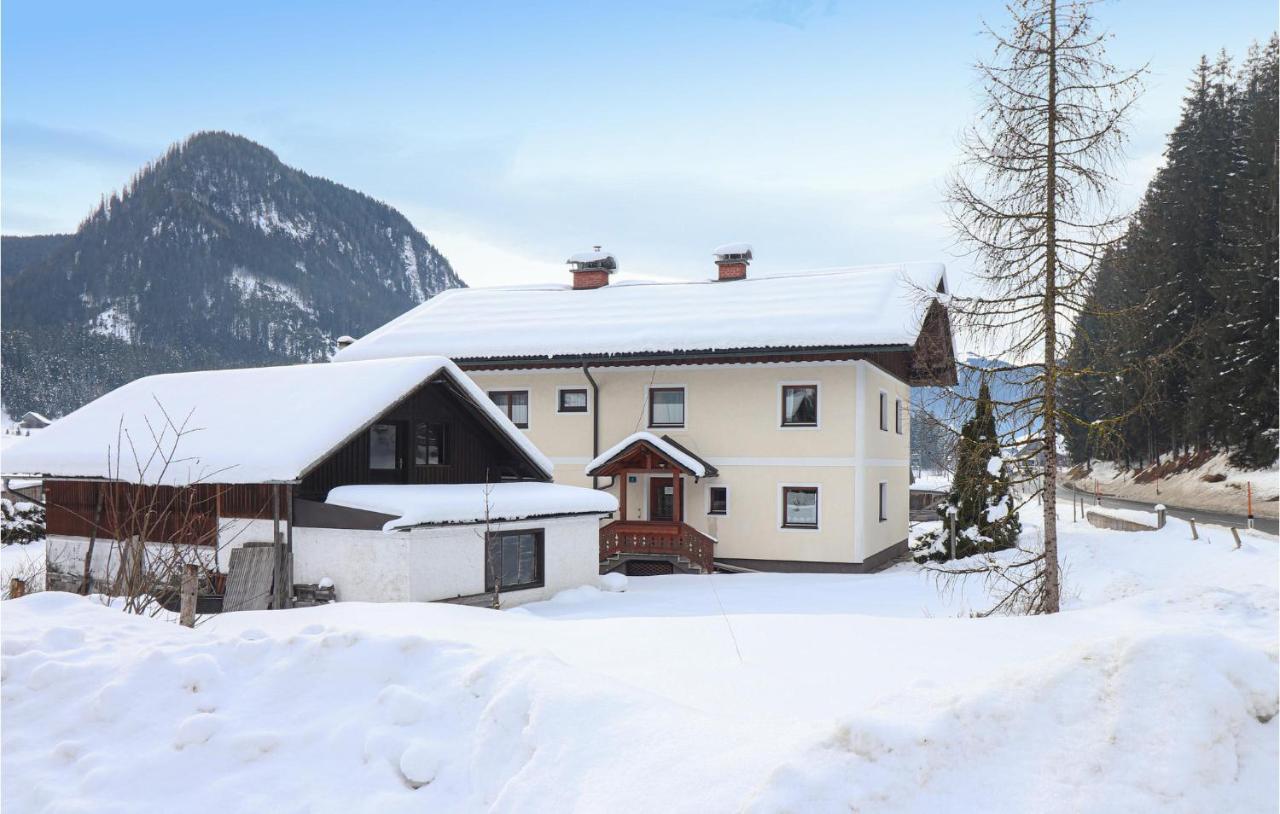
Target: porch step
[[681, 564]]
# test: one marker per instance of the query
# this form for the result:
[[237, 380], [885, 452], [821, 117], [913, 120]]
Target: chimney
[[732, 260], [592, 269]]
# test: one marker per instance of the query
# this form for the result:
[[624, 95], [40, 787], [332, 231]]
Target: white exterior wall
[[442, 562], [421, 565], [66, 554], [733, 417]]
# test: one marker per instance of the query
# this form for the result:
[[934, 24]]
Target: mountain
[[215, 255]]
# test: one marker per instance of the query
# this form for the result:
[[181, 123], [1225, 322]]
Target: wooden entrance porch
[[664, 536]]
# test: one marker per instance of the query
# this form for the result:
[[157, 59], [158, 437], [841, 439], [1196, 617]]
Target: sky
[[514, 134]]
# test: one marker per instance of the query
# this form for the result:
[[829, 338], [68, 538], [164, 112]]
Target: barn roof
[[250, 425], [864, 307]]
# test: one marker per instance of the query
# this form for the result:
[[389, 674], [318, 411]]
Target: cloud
[[22, 138]]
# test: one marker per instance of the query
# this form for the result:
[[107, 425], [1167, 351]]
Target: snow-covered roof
[[850, 307], [428, 504], [729, 249], [33, 416], [691, 463], [252, 425]]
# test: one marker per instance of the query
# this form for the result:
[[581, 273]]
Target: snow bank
[[872, 305], [424, 504], [1156, 689], [1215, 485], [1132, 515]]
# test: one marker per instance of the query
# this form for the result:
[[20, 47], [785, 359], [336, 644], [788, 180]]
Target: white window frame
[[782, 410], [727, 499], [884, 411], [897, 416], [882, 501], [561, 389], [782, 510], [528, 400], [648, 409]]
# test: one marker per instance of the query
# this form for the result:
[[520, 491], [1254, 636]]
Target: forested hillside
[[17, 253], [1180, 337], [215, 255]]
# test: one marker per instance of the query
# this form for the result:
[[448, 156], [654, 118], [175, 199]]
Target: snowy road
[[1268, 524]]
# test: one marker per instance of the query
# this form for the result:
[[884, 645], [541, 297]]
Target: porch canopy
[[646, 452]]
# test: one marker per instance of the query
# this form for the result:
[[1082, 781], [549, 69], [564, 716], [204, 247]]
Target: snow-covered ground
[[1156, 689], [24, 562], [1215, 485]]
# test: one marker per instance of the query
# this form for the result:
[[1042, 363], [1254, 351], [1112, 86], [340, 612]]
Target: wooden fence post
[[187, 606], [1194, 536], [1236, 534], [17, 588]]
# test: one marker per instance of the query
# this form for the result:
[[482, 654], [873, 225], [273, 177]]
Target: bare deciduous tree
[[1030, 201]]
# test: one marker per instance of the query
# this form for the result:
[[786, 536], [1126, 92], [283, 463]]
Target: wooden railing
[[657, 537]]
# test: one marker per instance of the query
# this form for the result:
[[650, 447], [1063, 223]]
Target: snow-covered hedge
[[20, 522]]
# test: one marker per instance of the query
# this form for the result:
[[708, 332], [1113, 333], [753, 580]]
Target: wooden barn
[[391, 480]]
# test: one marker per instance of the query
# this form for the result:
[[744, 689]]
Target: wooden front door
[[389, 452], [662, 499]]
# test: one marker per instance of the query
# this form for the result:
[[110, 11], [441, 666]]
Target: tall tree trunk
[[1049, 405]]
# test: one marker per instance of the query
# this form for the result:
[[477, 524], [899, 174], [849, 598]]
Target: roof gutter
[[688, 356]]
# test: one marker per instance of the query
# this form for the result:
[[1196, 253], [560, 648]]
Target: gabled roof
[[666, 447], [868, 307], [252, 425]]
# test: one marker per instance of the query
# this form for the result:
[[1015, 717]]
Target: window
[[666, 406], [718, 500], [429, 445], [897, 416], [515, 560], [800, 507], [884, 501], [884, 411], [382, 446], [515, 403], [572, 401], [800, 405]]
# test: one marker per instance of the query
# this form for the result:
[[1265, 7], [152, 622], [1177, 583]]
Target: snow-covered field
[[1155, 690]]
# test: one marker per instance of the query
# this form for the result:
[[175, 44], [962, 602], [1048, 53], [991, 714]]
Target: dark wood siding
[[187, 515], [473, 449]]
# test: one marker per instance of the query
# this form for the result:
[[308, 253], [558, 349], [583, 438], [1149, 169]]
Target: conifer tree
[[985, 515]]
